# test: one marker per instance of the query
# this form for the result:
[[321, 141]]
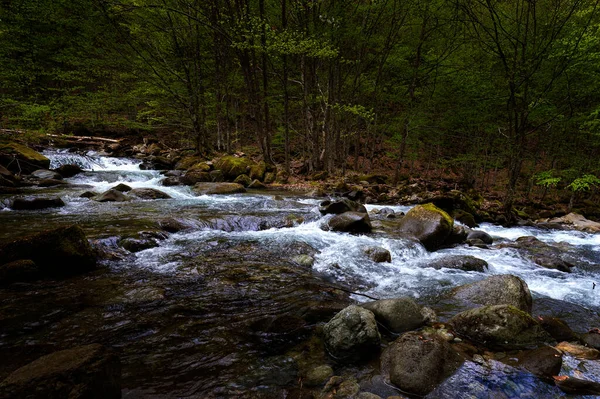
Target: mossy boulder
[[429, 224], [21, 159], [58, 252], [244, 180], [503, 289], [194, 176], [352, 333], [416, 362], [232, 166], [500, 326], [187, 162], [218, 188], [90, 371], [258, 171]]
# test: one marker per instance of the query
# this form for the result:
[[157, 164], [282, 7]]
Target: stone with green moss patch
[[21, 159], [232, 166], [429, 224]]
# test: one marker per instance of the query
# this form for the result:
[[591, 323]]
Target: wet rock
[[170, 181], [18, 271], [378, 254], [258, 171], [351, 222], [464, 217], [46, 174], [218, 188], [144, 294], [153, 162], [217, 176], [591, 339], [577, 317], [172, 225], [233, 166], [397, 315], [58, 252], [21, 159], [367, 395], [541, 253], [111, 195], [577, 386], [544, 362], [194, 176], [500, 326], [496, 290], [477, 243], [91, 372], [7, 174], [256, 185], [578, 351], [480, 235], [148, 193], [270, 178], [428, 224], [457, 236], [460, 262], [123, 188], [578, 222], [341, 206], [244, 180], [352, 333], [68, 170], [138, 244], [88, 194], [558, 329], [416, 363], [340, 388], [20, 204], [318, 376]]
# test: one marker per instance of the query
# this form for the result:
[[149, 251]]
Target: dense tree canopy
[[468, 86]]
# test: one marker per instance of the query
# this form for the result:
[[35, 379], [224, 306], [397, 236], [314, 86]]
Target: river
[[176, 311]]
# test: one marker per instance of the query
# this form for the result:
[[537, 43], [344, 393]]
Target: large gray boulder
[[397, 315], [460, 262], [352, 333], [429, 224], [85, 372], [21, 159], [378, 254], [416, 362], [218, 188], [500, 326], [351, 222], [58, 252], [503, 289]]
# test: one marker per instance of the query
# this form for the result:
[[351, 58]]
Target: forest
[[499, 95]]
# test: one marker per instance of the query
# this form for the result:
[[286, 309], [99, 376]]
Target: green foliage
[[584, 183], [546, 179]]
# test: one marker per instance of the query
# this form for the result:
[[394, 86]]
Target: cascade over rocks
[[58, 252], [496, 290], [416, 363], [429, 224], [20, 159], [84, 372], [500, 326], [542, 254], [378, 254], [352, 333], [397, 315]]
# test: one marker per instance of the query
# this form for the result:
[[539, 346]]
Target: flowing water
[[223, 307]]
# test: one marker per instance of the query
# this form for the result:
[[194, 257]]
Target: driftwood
[[84, 138]]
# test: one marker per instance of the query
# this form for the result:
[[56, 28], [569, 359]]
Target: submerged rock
[[138, 244], [18, 271], [46, 174], [398, 315], [218, 188], [352, 333], [351, 222], [480, 235], [460, 262], [496, 290], [20, 204], [500, 326], [318, 376], [542, 254], [428, 224], [58, 252], [416, 363], [90, 372], [577, 386]]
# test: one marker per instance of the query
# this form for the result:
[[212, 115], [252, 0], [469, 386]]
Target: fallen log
[[82, 138]]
